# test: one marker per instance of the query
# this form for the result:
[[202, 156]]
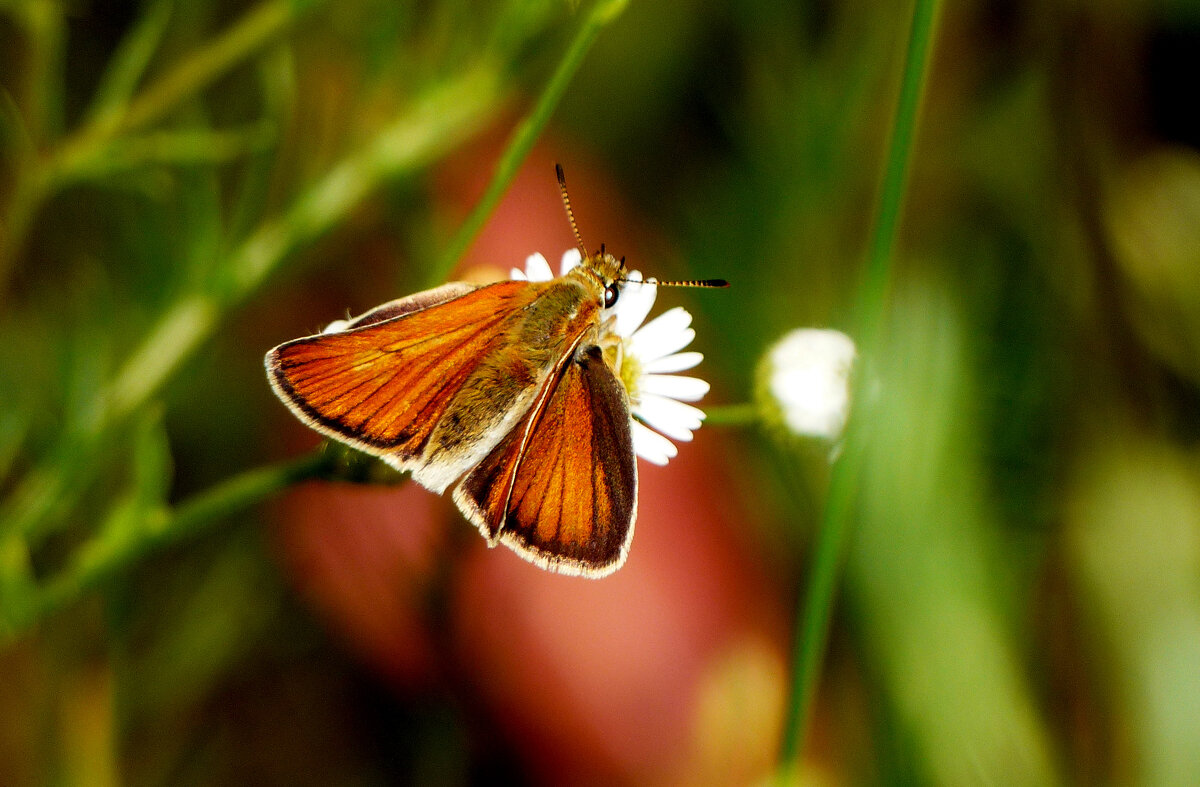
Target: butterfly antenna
[[562, 188], [695, 283]]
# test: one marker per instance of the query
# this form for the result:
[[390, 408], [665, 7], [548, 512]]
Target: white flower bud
[[805, 377]]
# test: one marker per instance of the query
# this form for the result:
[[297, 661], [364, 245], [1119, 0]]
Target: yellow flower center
[[627, 366]]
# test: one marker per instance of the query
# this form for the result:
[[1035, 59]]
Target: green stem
[[812, 630], [895, 175], [526, 133], [744, 414]]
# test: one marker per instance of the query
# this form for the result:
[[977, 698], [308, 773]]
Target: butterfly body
[[505, 388]]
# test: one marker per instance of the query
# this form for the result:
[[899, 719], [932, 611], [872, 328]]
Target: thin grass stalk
[[816, 608], [526, 134]]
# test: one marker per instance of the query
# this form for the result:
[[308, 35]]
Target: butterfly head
[[608, 272]]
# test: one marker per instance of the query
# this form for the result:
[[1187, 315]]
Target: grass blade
[[812, 632]]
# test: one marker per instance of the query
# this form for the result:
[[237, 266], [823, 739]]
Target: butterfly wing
[[412, 303], [561, 487], [384, 384]]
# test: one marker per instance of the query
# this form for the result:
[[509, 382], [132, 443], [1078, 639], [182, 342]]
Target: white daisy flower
[[807, 381], [537, 269], [649, 356]]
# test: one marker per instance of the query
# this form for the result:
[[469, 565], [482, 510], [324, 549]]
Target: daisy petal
[[685, 389], [672, 363], [652, 446], [665, 334], [672, 418], [570, 258], [516, 274], [537, 269], [634, 304]]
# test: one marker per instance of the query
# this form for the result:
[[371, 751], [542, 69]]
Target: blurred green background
[[184, 185]]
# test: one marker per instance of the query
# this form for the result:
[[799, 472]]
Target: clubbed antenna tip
[[695, 283]]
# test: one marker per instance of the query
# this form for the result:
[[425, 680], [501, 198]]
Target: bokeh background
[[185, 184]]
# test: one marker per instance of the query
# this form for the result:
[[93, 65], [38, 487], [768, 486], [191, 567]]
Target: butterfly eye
[[610, 295]]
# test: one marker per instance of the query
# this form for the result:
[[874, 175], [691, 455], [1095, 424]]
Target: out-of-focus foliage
[[185, 184]]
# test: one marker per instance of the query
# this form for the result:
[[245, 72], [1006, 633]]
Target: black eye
[[610, 295]]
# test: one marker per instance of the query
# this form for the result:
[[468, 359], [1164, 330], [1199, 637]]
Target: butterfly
[[509, 390]]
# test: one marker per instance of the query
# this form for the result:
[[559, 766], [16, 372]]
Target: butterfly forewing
[[412, 303], [561, 487], [385, 386]]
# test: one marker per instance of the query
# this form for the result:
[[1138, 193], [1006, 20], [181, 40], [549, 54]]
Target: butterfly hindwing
[[561, 487]]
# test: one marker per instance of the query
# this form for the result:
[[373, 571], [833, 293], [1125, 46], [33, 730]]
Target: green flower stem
[[744, 414], [812, 631], [524, 136], [106, 557]]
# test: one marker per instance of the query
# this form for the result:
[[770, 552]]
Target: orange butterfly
[[512, 389]]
